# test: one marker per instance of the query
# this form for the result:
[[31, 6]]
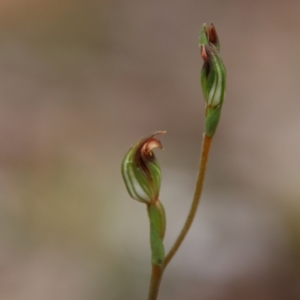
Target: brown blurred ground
[[80, 81]]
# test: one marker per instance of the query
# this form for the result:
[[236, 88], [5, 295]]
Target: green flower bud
[[140, 170], [212, 77]]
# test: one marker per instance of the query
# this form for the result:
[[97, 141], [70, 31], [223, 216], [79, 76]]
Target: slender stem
[[206, 142], [156, 275]]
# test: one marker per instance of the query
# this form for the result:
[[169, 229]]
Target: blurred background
[[80, 81]]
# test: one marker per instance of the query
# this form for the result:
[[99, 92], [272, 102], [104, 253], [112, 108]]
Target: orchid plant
[[141, 171]]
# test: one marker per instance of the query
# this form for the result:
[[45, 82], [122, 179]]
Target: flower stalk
[[142, 178]]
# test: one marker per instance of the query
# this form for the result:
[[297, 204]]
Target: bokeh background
[[80, 81]]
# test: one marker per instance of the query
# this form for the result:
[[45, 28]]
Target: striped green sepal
[[140, 170], [213, 76]]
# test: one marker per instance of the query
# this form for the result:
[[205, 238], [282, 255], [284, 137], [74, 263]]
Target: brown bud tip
[[203, 52], [212, 34]]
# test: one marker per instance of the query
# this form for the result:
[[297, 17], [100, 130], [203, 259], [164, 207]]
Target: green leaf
[[157, 220], [157, 249], [212, 120]]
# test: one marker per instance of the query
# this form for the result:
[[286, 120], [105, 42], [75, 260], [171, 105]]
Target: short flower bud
[[140, 170]]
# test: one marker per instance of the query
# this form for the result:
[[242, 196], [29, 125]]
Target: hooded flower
[[140, 170]]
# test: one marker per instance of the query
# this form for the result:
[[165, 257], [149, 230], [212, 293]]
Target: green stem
[[206, 142]]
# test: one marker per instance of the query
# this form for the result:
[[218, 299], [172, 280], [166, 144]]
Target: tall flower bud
[[140, 170], [212, 77]]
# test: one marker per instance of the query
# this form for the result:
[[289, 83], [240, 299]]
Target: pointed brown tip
[[203, 52]]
